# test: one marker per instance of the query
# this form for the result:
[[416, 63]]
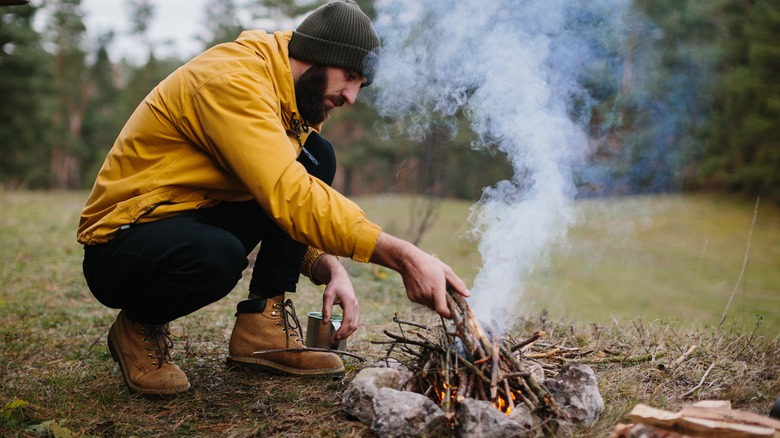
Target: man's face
[[320, 89]]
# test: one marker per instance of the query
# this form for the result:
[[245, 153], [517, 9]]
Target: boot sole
[[130, 385], [258, 364]]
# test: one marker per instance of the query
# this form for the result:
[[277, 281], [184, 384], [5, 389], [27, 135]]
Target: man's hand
[[425, 277], [339, 291]]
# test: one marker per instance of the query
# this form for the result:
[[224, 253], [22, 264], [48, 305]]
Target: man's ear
[[298, 67]]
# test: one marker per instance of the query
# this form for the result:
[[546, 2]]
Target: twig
[[494, 373], [476, 364], [701, 382], [552, 352], [618, 359], [303, 350], [447, 385], [536, 388], [457, 317], [509, 395], [534, 337], [462, 385], [411, 323], [516, 374], [474, 369], [468, 319], [744, 265], [426, 368], [527, 401], [685, 355], [405, 340], [405, 384]]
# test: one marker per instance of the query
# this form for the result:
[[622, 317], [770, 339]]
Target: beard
[[310, 94]]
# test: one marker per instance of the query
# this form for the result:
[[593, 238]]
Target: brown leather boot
[[144, 356], [271, 324]]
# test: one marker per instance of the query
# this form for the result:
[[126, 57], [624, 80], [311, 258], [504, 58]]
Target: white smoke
[[512, 67]]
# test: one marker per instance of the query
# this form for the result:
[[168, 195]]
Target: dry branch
[[536, 336], [470, 361], [304, 350]]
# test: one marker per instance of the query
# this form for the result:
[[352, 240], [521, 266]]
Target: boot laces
[[158, 344], [291, 324]]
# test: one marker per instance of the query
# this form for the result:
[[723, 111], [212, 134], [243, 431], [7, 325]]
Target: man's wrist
[[392, 252], [310, 259], [323, 268]]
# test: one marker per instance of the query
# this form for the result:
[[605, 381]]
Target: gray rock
[[522, 415], [395, 364], [480, 419], [358, 398], [576, 391], [400, 414]]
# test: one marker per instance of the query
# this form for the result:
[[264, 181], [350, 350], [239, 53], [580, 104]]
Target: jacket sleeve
[[235, 118]]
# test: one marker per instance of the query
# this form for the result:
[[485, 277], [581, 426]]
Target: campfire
[[463, 360]]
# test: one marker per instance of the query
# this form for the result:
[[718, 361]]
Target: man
[[221, 156]]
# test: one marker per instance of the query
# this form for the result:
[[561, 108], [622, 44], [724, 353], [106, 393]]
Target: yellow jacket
[[223, 127]]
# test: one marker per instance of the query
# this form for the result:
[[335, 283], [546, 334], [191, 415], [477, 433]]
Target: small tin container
[[318, 334]]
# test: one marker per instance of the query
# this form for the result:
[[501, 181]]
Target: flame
[[501, 403], [441, 393]]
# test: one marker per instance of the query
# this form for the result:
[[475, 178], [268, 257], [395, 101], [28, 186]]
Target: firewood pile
[[707, 418], [462, 359]]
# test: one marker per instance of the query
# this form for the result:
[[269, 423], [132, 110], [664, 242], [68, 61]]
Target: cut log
[[710, 422]]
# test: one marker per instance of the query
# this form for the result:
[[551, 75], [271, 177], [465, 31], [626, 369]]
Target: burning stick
[[469, 327], [494, 374], [509, 397], [469, 361]]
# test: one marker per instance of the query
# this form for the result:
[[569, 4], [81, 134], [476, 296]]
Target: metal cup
[[318, 334]]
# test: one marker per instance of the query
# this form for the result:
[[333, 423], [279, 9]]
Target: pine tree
[[745, 148], [67, 32], [25, 78]]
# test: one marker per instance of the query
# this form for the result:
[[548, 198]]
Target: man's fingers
[[456, 283], [348, 326], [349, 321], [440, 304], [327, 309]]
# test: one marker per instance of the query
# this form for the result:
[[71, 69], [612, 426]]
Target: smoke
[[514, 68]]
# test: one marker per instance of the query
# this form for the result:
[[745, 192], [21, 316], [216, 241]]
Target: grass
[[642, 278], [676, 258]]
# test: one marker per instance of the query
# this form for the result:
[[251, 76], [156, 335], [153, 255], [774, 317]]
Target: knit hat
[[338, 34]]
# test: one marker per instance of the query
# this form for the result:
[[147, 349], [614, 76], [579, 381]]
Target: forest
[[683, 96]]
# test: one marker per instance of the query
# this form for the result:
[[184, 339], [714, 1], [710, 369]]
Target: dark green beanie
[[338, 34]]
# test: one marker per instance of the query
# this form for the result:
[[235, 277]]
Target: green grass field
[[675, 258], [646, 278]]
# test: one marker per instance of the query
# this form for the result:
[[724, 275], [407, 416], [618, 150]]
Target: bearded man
[[225, 155]]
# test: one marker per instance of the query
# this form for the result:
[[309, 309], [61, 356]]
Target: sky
[[177, 21]]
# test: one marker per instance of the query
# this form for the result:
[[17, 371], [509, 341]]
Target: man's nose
[[350, 93]]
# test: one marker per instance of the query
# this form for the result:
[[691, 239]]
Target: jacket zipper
[[297, 126]]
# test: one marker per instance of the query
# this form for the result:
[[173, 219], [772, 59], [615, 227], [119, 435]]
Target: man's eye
[[351, 76]]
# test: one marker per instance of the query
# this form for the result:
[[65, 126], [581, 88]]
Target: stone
[[480, 419], [405, 373], [400, 414], [576, 392], [358, 398], [523, 415]]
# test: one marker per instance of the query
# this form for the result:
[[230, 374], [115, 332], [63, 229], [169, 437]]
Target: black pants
[[163, 270]]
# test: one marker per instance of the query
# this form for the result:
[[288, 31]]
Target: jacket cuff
[[309, 260], [368, 234]]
